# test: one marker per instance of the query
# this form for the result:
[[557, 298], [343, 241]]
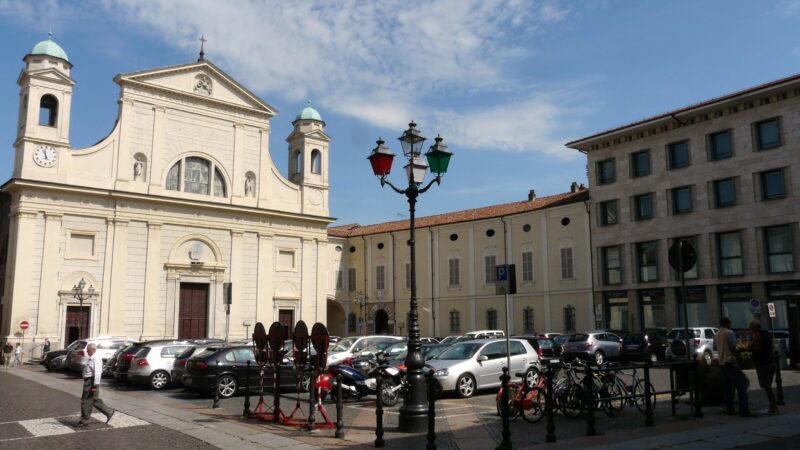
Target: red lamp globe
[[381, 159]]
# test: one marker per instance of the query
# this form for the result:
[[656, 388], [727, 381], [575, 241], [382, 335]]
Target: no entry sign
[[24, 325]]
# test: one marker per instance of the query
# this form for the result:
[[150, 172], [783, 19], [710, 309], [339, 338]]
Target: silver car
[[701, 339], [349, 347], [598, 346], [468, 366], [106, 347], [153, 362]]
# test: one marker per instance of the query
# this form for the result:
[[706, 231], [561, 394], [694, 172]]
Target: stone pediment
[[314, 134], [201, 79], [49, 74]]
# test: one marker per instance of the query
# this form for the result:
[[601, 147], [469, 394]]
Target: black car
[[543, 345], [201, 372], [51, 355], [640, 347]]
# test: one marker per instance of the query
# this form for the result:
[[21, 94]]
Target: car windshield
[[433, 352], [461, 351], [449, 340], [580, 337], [207, 352], [186, 353], [633, 339], [677, 333], [73, 345], [342, 345]]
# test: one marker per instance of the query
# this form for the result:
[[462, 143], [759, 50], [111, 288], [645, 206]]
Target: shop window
[[653, 309]]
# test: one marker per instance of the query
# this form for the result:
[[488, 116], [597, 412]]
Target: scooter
[[357, 385]]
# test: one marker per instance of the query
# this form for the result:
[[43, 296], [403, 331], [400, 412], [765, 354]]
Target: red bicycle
[[525, 398]]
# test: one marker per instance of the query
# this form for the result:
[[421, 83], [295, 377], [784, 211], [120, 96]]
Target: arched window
[[48, 110], [316, 162], [297, 162], [196, 175]]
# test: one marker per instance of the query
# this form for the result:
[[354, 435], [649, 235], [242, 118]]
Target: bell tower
[[308, 160], [45, 99]]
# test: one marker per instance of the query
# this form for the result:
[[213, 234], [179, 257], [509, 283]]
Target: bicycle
[[525, 400]]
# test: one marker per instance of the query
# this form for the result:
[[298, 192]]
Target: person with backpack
[[764, 361]]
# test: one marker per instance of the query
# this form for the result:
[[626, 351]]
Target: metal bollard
[[246, 411], [672, 399], [548, 406], [339, 423], [216, 388], [648, 404], [379, 415], [778, 381], [588, 400], [312, 400], [431, 445], [505, 444], [698, 404]]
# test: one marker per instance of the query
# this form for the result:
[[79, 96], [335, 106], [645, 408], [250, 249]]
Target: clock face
[[45, 156]]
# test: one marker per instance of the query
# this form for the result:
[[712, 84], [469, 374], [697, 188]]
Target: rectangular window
[[778, 241], [653, 308], [454, 272], [81, 245], [567, 266], [724, 193], [606, 172], [640, 163], [380, 278], [286, 259], [490, 262], [351, 279], [408, 275], [527, 266], [612, 265], [692, 272], [643, 206], [527, 320], [646, 260], [491, 319], [569, 319], [608, 212], [720, 145], [682, 200], [338, 279], [729, 248], [768, 134], [678, 154], [772, 184], [455, 321]]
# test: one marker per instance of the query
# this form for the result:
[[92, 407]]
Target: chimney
[[581, 187], [573, 188], [531, 195]]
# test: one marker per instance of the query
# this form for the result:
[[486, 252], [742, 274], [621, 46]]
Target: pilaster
[[47, 321], [236, 270], [152, 282], [19, 266], [307, 282], [548, 321], [266, 269], [119, 261]]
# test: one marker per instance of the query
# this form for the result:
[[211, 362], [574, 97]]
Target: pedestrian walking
[[764, 361], [92, 373], [18, 355], [7, 351], [732, 376], [45, 347]]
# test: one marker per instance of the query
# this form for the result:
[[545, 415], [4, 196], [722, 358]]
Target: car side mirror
[[482, 358]]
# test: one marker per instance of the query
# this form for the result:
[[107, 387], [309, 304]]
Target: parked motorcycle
[[357, 385]]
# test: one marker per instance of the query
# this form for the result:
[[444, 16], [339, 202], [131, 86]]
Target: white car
[[348, 347], [485, 334], [468, 366]]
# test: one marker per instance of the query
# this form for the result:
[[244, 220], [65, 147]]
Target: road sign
[[682, 255], [755, 306], [771, 309], [506, 280], [24, 325]]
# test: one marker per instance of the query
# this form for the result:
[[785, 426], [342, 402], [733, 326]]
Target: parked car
[[485, 334], [106, 347], [152, 363], [450, 340], [347, 347], [428, 340], [638, 347], [58, 363], [468, 366], [179, 366], [700, 338], [51, 355], [124, 358], [364, 360], [598, 346], [201, 372], [544, 346]]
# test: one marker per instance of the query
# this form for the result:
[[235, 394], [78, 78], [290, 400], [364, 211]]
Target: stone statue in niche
[[249, 183], [138, 170], [202, 85]]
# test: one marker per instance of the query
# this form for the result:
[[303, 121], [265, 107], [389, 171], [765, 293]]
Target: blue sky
[[506, 83]]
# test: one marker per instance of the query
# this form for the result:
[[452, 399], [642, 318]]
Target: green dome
[[308, 113], [50, 48]]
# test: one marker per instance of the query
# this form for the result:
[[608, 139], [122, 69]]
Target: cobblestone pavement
[[473, 423]]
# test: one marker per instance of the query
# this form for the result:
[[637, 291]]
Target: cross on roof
[[202, 48]]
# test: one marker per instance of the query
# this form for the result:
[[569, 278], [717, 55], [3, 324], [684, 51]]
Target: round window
[[453, 237], [490, 232], [338, 248], [352, 249], [526, 228], [380, 245], [565, 221]]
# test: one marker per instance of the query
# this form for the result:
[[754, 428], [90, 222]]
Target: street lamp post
[[77, 292], [414, 412], [361, 301]]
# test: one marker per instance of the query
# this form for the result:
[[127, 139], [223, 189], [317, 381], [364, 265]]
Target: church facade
[[179, 199]]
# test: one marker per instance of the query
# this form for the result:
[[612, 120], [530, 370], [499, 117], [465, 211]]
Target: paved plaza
[[39, 408]]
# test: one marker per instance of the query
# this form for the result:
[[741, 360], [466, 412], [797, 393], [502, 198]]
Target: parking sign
[[755, 306], [506, 280]]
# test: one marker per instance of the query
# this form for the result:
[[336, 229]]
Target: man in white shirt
[[92, 373]]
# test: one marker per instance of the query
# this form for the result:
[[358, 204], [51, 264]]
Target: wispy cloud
[[380, 62]]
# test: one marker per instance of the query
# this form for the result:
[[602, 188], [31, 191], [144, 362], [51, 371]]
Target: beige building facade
[[546, 238], [181, 197], [723, 175]]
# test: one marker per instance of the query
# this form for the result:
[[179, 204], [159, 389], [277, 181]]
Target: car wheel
[[465, 386], [305, 383], [532, 377], [159, 380], [599, 358], [707, 357], [50, 366], [227, 386], [653, 357]]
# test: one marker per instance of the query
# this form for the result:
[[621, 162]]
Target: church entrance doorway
[[77, 324], [286, 318], [381, 322], [193, 312]]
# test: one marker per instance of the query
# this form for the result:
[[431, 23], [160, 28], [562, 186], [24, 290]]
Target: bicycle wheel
[[533, 406], [572, 406], [615, 400], [639, 396], [513, 411]]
